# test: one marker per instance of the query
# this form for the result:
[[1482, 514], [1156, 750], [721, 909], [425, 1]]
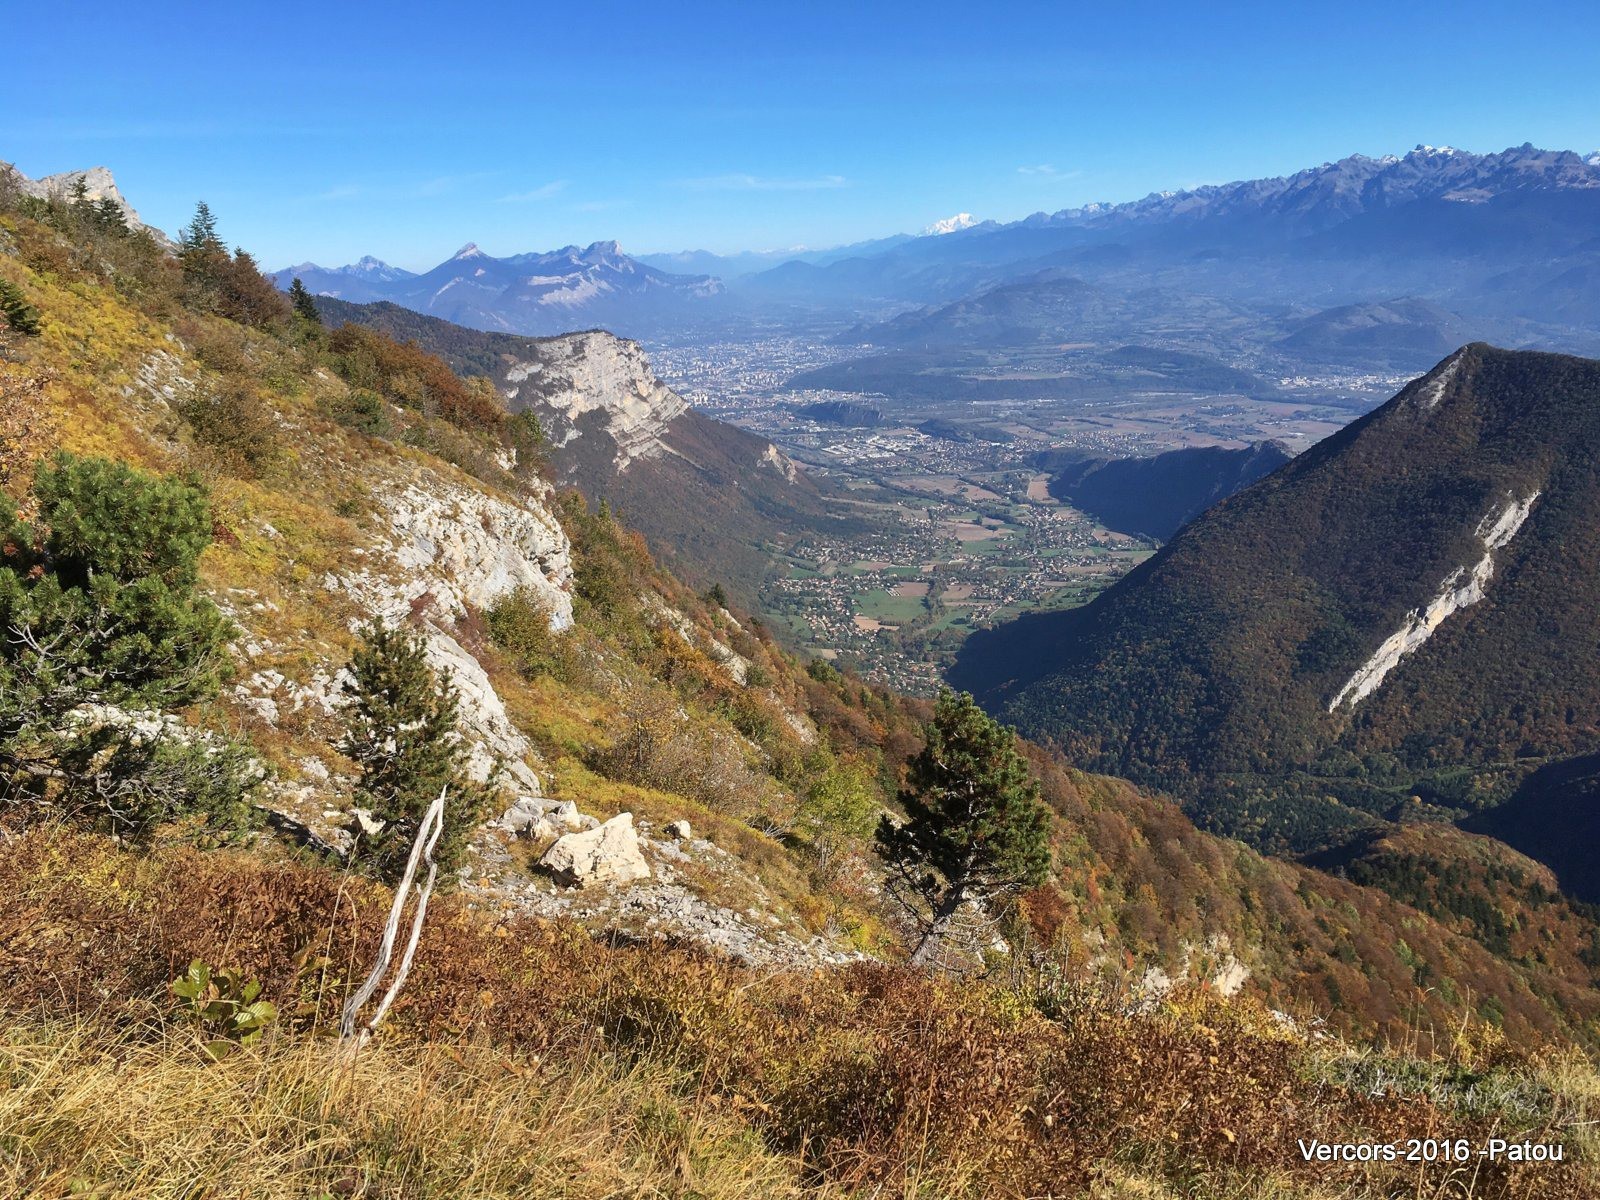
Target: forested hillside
[[1402, 617]]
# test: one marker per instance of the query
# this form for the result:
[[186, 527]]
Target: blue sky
[[332, 130]]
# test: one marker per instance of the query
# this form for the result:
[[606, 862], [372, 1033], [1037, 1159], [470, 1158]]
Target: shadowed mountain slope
[[1156, 496], [1409, 608]]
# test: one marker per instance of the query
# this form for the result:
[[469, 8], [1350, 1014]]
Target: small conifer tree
[[203, 258], [975, 828], [305, 306], [19, 314], [400, 729], [200, 235]]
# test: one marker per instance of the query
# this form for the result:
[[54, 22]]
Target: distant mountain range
[[1501, 246], [535, 294], [1486, 208], [1400, 622], [360, 281], [749, 262], [1494, 246]]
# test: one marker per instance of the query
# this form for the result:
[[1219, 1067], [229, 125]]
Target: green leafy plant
[[224, 1009], [317, 986], [520, 625], [840, 808]]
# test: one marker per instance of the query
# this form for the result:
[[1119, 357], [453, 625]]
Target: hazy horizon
[[328, 134]]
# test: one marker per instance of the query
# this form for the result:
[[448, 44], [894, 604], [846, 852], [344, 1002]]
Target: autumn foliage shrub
[[877, 1079], [657, 743], [412, 377], [233, 422]]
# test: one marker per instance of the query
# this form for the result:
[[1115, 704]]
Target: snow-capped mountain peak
[[953, 224]]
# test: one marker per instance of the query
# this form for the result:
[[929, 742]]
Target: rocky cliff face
[[450, 547], [596, 383], [98, 184], [712, 499]]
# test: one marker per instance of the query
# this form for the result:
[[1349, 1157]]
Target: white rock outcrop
[[609, 854], [98, 183], [468, 547], [451, 547], [1432, 390], [597, 372], [1462, 588]]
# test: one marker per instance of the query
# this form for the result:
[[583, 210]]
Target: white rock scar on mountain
[[1431, 392], [1462, 588]]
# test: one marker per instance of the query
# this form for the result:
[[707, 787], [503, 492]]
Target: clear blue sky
[[326, 131]]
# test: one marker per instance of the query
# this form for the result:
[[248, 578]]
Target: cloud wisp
[[543, 192], [739, 182]]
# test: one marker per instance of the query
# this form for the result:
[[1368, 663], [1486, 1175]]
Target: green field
[[881, 606]]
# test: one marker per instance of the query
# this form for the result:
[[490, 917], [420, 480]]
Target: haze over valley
[[941, 381]]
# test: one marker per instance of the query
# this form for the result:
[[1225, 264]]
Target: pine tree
[[108, 215], [200, 235], [103, 617], [975, 828], [14, 307], [204, 259], [400, 729], [304, 305]]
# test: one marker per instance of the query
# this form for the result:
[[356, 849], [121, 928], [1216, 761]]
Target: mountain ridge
[[1387, 615], [534, 293], [1445, 226], [713, 499]]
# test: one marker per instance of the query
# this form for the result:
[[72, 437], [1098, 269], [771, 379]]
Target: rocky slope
[[712, 499], [602, 382], [331, 529]]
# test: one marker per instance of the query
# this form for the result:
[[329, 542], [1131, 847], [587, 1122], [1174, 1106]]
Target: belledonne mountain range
[[1458, 246]]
